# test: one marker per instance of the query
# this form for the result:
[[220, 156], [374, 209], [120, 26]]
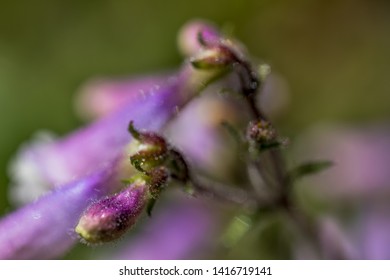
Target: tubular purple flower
[[44, 229], [109, 218]]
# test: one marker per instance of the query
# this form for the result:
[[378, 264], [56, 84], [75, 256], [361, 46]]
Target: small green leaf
[[309, 168]]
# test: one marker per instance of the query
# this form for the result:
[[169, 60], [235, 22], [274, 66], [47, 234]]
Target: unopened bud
[[262, 133], [189, 42], [151, 150], [216, 57], [109, 218]]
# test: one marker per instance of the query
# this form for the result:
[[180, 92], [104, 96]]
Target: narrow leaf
[[309, 168]]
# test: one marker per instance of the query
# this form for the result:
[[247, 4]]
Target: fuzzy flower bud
[[151, 150], [109, 218], [262, 133]]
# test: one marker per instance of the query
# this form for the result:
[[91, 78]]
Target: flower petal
[[44, 229], [101, 97]]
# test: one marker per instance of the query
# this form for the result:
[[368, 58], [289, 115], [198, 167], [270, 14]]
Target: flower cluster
[[95, 184]]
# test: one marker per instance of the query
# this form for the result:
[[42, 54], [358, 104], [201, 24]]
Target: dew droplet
[[36, 215]]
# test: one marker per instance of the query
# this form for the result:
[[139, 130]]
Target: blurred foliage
[[333, 54]]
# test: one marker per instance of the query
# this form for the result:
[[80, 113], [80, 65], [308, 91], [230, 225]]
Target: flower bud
[[216, 57], [262, 133], [151, 150], [109, 218], [188, 38]]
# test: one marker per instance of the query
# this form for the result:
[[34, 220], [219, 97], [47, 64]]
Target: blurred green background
[[334, 55]]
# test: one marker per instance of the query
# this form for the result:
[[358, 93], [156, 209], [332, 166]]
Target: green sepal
[[133, 131]]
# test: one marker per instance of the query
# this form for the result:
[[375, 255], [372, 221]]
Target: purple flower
[[361, 157], [359, 183]]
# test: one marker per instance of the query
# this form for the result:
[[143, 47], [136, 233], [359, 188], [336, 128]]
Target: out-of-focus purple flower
[[44, 229], [361, 157], [198, 132], [359, 182]]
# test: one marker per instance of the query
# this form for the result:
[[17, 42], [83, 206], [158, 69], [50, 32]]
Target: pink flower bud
[[109, 218], [189, 36], [261, 132]]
